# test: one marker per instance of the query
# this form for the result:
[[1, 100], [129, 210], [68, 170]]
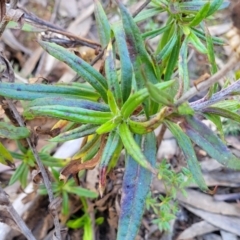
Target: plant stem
[[206, 84]]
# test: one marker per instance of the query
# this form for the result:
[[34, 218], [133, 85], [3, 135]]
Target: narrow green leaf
[[168, 47], [197, 43], [9, 131], [18, 172], [172, 61], [223, 113], [196, 5], [90, 144], [154, 33], [50, 161], [74, 114], [186, 146], [183, 65], [208, 140], [133, 149], [210, 53], [82, 192], [200, 15], [77, 223], [111, 74], [137, 98], [29, 92], [23, 179], [108, 126], [126, 65], [103, 26], [68, 102], [215, 40], [231, 105], [159, 96], [111, 146], [147, 13], [5, 157], [216, 5], [143, 64], [83, 69], [167, 35], [112, 103], [65, 203], [136, 185], [75, 133], [136, 46]]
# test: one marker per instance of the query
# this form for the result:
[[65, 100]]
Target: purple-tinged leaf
[[136, 185], [82, 131], [186, 146], [111, 74], [143, 65], [68, 102], [210, 142], [82, 68], [30, 92], [112, 144], [126, 65], [103, 26], [223, 113]]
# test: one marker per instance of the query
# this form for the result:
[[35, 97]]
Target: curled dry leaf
[[76, 166]]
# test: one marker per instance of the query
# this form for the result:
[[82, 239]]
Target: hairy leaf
[[200, 15], [74, 114], [183, 66], [208, 140], [126, 65], [137, 98], [9, 131], [223, 113], [132, 147], [104, 29], [136, 185], [83, 69], [30, 92], [75, 133], [111, 74], [186, 146], [112, 144]]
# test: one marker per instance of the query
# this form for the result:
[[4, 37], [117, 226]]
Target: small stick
[[17, 219], [46, 180], [209, 82], [161, 134]]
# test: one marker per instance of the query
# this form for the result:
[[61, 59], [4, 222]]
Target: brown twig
[[141, 8], [5, 20], [161, 134], [217, 97], [46, 180], [17, 219], [209, 82]]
